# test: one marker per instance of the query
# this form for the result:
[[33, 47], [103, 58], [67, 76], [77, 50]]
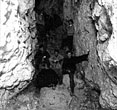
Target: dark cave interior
[[50, 17]]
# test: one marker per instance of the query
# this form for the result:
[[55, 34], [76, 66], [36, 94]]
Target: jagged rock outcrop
[[17, 43], [95, 29], [105, 10]]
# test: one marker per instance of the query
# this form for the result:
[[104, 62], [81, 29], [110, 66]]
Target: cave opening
[[52, 36]]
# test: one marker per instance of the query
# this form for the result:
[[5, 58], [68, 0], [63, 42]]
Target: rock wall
[[95, 29], [17, 43], [67, 9], [107, 48]]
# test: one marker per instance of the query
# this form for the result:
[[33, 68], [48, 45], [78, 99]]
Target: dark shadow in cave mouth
[[50, 31], [49, 15], [49, 18]]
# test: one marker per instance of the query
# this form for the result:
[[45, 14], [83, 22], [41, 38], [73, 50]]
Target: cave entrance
[[52, 33]]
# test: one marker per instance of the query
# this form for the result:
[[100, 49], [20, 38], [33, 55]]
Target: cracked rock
[[16, 43], [95, 29]]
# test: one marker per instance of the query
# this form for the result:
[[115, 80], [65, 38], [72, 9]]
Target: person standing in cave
[[70, 33], [69, 66], [41, 58], [67, 41]]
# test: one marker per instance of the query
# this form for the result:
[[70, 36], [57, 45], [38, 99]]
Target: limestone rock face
[[107, 50], [17, 42], [67, 9], [95, 29]]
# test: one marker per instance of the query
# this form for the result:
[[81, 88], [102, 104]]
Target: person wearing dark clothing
[[41, 58], [46, 78], [70, 34], [69, 66]]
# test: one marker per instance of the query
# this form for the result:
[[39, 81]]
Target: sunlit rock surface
[[107, 50], [16, 43], [95, 29]]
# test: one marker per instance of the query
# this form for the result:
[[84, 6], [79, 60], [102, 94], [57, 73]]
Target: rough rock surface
[[95, 29], [107, 23], [16, 43], [67, 9], [66, 80], [57, 99], [48, 99], [86, 98]]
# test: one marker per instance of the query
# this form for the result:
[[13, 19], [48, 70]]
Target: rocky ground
[[86, 97]]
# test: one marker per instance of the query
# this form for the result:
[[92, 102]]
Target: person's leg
[[60, 77], [72, 84]]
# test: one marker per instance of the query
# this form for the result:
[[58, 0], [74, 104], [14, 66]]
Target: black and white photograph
[[58, 54]]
